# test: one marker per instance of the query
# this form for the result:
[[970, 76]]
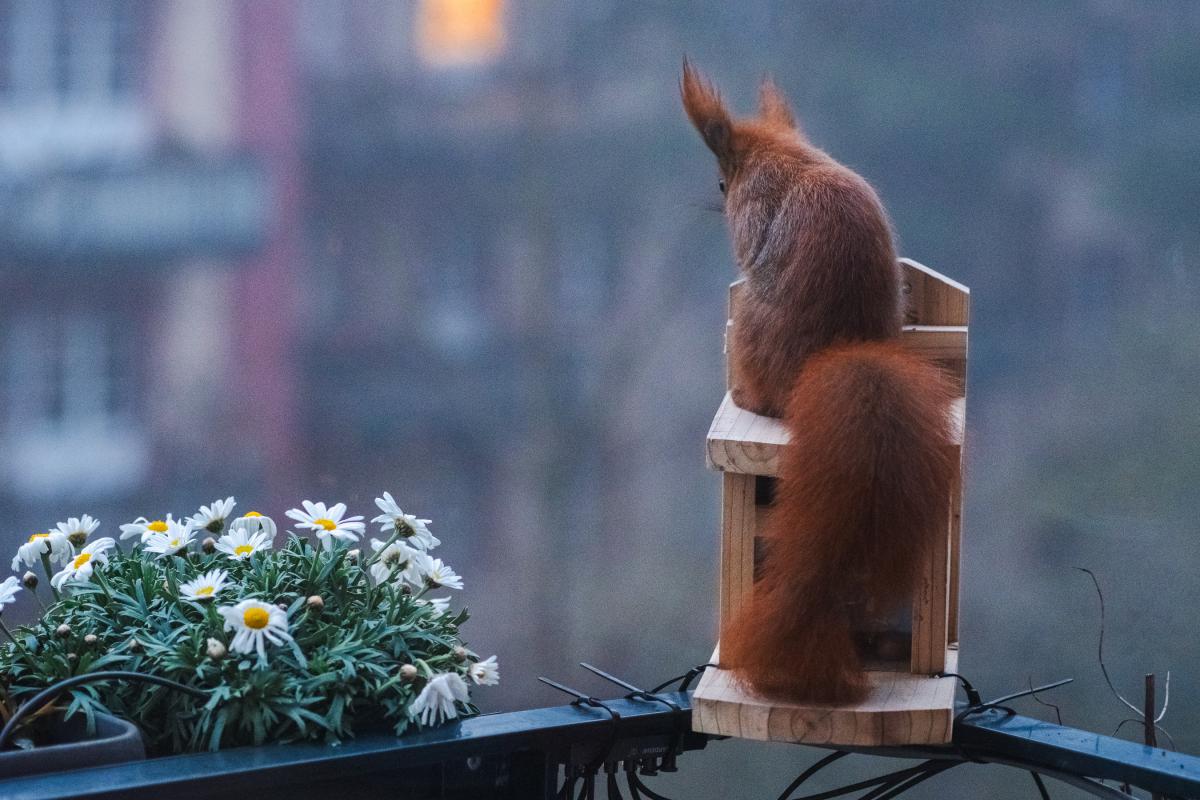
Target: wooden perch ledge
[[743, 442]]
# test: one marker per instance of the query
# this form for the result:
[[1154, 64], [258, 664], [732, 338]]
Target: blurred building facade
[[137, 202]]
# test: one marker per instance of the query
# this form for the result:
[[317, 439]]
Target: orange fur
[[864, 486]]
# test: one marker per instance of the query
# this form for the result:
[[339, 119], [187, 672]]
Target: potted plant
[[243, 642]]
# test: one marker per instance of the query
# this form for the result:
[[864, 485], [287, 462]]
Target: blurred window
[[69, 426], [71, 50]]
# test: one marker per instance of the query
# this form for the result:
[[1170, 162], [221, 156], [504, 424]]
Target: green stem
[[50, 576], [169, 571], [8, 633], [395, 537], [100, 579]]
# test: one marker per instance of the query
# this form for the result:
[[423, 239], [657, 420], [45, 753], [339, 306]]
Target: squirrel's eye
[[721, 185]]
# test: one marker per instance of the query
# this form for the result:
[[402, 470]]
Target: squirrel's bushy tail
[[863, 490]]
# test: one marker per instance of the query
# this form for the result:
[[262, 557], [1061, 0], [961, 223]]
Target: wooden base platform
[[902, 709]]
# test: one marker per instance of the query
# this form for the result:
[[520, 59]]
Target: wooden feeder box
[[903, 651]]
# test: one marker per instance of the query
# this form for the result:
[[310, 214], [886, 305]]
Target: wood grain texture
[[902, 709], [738, 521], [930, 608], [932, 298]]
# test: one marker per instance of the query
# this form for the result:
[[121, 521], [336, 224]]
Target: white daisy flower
[[53, 543], [328, 522], [212, 518], [253, 522], [78, 529], [256, 624], [414, 531], [396, 560], [205, 587], [175, 538], [8, 590], [440, 605], [438, 574], [241, 542], [81, 566], [438, 700], [485, 673], [145, 528]]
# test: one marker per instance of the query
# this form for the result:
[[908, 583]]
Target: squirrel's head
[[736, 142]]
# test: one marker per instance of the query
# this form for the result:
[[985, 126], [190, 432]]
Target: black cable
[[973, 696], [54, 690], [919, 778], [646, 790], [1025, 693], [1041, 786], [630, 775], [686, 679], [884, 787], [812, 770], [870, 783], [567, 792], [614, 791]]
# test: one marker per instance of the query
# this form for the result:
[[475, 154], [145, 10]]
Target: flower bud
[[29, 580], [63, 630], [216, 649], [316, 602], [405, 589], [209, 545], [408, 673], [72, 658], [91, 639], [77, 538], [353, 555], [460, 653], [282, 606], [135, 646]]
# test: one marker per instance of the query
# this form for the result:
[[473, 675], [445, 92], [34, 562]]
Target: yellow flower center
[[327, 524], [204, 591], [243, 550], [256, 618], [158, 526], [174, 542], [37, 536], [253, 514], [81, 559]]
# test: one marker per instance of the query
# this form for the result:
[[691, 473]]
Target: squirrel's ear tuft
[[707, 112], [773, 106]]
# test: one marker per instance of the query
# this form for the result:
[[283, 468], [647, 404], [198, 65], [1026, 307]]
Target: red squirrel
[[864, 483]]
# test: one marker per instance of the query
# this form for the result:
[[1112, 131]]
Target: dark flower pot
[[68, 746]]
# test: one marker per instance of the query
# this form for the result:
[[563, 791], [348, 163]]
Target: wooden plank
[[901, 709], [956, 506], [932, 298], [746, 443], [930, 610], [739, 517], [937, 342]]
